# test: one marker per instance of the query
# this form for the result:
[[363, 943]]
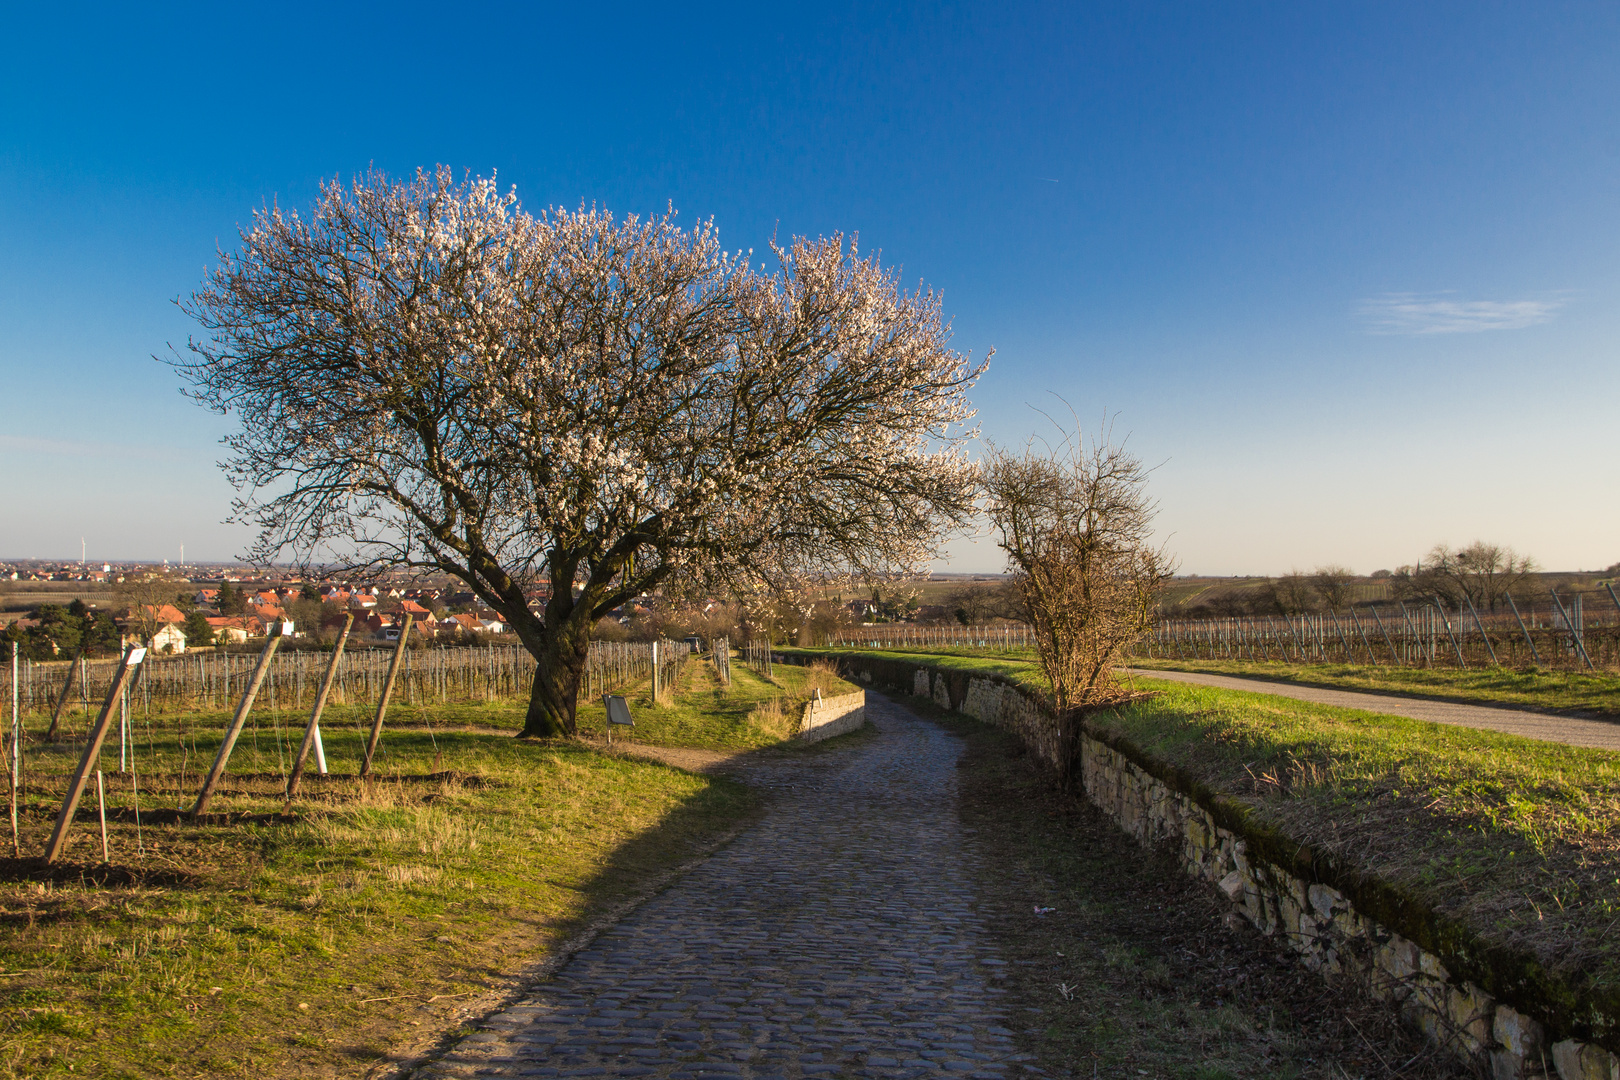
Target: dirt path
[[1571, 730]]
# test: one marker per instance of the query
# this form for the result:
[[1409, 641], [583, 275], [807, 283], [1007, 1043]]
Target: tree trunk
[[558, 666]]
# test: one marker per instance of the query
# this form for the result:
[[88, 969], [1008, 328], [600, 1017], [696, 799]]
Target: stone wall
[[1284, 898], [832, 716]]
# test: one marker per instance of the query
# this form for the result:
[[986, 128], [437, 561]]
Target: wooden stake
[[312, 733], [101, 808], [92, 749], [387, 692], [61, 702], [217, 771], [14, 760]]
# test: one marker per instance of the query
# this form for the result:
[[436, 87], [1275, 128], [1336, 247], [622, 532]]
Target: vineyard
[[1424, 635], [210, 681]]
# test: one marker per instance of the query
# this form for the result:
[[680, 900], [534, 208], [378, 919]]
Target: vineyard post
[[1344, 642], [1394, 654], [1525, 630], [312, 733], [217, 770], [387, 691], [1455, 644], [1489, 648], [1299, 645], [61, 702], [1411, 629], [101, 811], [14, 759], [1371, 659], [1569, 624], [92, 749]]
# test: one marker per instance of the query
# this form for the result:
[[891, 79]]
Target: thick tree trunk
[[558, 666]]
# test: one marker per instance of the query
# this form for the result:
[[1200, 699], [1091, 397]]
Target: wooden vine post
[[387, 692], [14, 758], [312, 733], [92, 750], [217, 771], [61, 702]]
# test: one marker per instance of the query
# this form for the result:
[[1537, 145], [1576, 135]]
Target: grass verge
[[752, 712], [1016, 666], [309, 944], [1534, 688], [1517, 839]]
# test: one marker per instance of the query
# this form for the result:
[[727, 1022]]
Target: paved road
[[837, 936], [1600, 734]]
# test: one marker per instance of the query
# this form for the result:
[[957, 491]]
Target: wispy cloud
[[1443, 313], [25, 444]]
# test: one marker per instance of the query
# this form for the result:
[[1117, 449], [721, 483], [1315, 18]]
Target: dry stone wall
[[1318, 921], [832, 716]]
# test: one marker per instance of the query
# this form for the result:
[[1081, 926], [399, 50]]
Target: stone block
[[1519, 1045], [1324, 900], [1583, 1061], [1471, 1012]]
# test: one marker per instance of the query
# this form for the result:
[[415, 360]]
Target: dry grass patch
[[257, 943]]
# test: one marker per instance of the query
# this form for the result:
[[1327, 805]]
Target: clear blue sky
[[1348, 271]]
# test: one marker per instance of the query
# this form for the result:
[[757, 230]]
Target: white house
[[169, 639]]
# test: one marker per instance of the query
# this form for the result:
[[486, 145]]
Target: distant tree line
[[1483, 574]]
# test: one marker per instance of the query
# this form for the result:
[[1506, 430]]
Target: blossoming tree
[[426, 376]]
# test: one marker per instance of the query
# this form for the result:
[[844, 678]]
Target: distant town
[[54, 606]]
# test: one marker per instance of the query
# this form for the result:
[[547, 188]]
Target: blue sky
[[1347, 272]]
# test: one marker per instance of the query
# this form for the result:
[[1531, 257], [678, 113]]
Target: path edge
[[518, 984]]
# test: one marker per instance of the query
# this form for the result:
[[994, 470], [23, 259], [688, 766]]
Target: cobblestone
[[837, 937]]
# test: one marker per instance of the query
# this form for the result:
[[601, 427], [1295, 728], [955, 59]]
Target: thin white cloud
[[1441, 313], [25, 444]]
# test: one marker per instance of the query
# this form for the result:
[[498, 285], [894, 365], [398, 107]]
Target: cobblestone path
[[837, 937]]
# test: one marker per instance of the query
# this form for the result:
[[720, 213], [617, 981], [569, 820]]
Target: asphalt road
[[1572, 730]]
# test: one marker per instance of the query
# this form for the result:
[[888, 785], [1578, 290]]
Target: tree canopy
[[427, 376]]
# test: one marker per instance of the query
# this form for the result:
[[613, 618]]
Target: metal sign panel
[[617, 711]]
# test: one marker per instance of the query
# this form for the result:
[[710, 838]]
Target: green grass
[[1015, 665], [1518, 839], [378, 904], [1597, 693], [704, 714]]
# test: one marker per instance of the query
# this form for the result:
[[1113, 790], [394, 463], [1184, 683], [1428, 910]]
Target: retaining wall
[[832, 716], [1494, 1008]]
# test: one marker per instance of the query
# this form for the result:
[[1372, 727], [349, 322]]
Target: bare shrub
[[1332, 584], [1075, 521], [1294, 594]]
